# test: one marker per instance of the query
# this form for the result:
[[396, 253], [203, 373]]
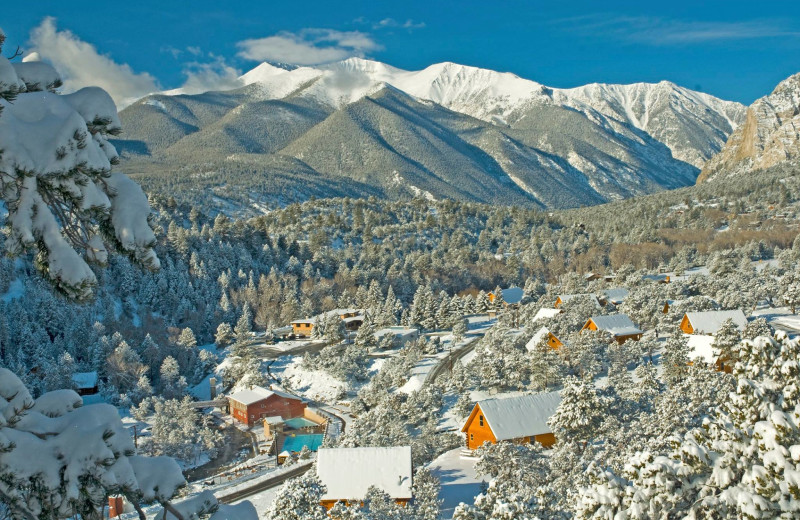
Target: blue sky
[[734, 50]]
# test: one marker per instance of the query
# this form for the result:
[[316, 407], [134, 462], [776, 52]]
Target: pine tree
[[676, 358], [224, 335]]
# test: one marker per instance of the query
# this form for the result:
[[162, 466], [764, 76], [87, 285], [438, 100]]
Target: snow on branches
[[56, 179]]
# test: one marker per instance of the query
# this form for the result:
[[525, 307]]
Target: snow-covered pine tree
[[64, 200]]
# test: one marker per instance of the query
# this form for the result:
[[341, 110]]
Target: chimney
[[212, 383], [114, 506]]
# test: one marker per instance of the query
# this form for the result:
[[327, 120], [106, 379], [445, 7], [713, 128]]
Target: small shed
[[521, 419], [347, 473], [709, 322], [619, 326], [86, 383]]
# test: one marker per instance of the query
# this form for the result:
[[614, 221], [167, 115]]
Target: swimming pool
[[296, 443], [299, 422]]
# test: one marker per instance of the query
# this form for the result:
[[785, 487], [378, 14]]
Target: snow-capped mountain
[[448, 130], [769, 135]]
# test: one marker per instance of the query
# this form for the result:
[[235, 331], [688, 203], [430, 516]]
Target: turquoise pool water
[[299, 422], [296, 443]]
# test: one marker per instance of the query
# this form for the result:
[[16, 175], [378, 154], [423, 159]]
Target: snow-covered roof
[[709, 322], [84, 380], [400, 332], [701, 347], [656, 277], [512, 295], [274, 419], [545, 313], [521, 416], [568, 297], [616, 324], [616, 295], [540, 334], [354, 318], [334, 312], [249, 396], [347, 473]]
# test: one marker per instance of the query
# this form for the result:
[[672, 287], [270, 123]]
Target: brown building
[[521, 419], [253, 405], [353, 319]]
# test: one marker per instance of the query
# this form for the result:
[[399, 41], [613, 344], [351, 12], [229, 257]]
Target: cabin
[[253, 405], [702, 347], [590, 277], [521, 419], [86, 383], [544, 334], [353, 319], [511, 296], [347, 473], [709, 322], [563, 298], [667, 306], [619, 326], [614, 296], [659, 278]]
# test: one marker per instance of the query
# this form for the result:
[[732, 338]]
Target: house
[[660, 278], [399, 335], [252, 405], [667, 305], [545, 313], [353, 319], [618, 325], [544, 334], [347, 473], [590, 277], [511, 296], [86, 383], [709, 322], [702, 347], [563, 298], [521, 419], [615, 296]]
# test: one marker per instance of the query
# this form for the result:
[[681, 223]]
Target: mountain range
[[361, 127]]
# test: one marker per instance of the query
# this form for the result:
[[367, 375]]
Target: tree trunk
[[171, 510]]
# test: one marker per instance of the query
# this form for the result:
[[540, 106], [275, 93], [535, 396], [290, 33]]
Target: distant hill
[[360, 128], [769, 136]]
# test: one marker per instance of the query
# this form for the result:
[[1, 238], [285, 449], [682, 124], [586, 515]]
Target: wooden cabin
[[619, 326], [702, 347], [544, 334], [511, 296], [253, 405], [347, 473], [520, 419], [709, 322], [86, 383], [614, 296], [667, 306], [353, 319]]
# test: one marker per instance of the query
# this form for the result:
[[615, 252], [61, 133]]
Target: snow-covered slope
[[770, 134], [448, 130]]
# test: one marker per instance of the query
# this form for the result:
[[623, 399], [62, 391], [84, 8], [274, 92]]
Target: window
[[480, 420], [471, 437]]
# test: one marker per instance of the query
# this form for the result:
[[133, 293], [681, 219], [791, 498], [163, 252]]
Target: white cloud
[[665, 31], [391, 22], [215, 75], [308, 46], [80, 65]]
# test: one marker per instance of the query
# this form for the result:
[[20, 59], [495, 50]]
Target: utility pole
[[135, 438]]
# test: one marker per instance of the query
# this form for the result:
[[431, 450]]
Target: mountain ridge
[[455, 124]]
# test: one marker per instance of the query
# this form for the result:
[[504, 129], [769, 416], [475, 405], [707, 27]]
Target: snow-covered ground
[[458, 478]]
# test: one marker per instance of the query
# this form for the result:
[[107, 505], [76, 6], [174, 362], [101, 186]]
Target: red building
[[253, 405]]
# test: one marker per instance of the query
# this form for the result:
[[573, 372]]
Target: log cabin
[[347, 473], [521, 419], [709, 322], [619, 326]]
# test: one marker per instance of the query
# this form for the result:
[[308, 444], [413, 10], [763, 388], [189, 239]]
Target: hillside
[[769, 136], [360, 127]]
